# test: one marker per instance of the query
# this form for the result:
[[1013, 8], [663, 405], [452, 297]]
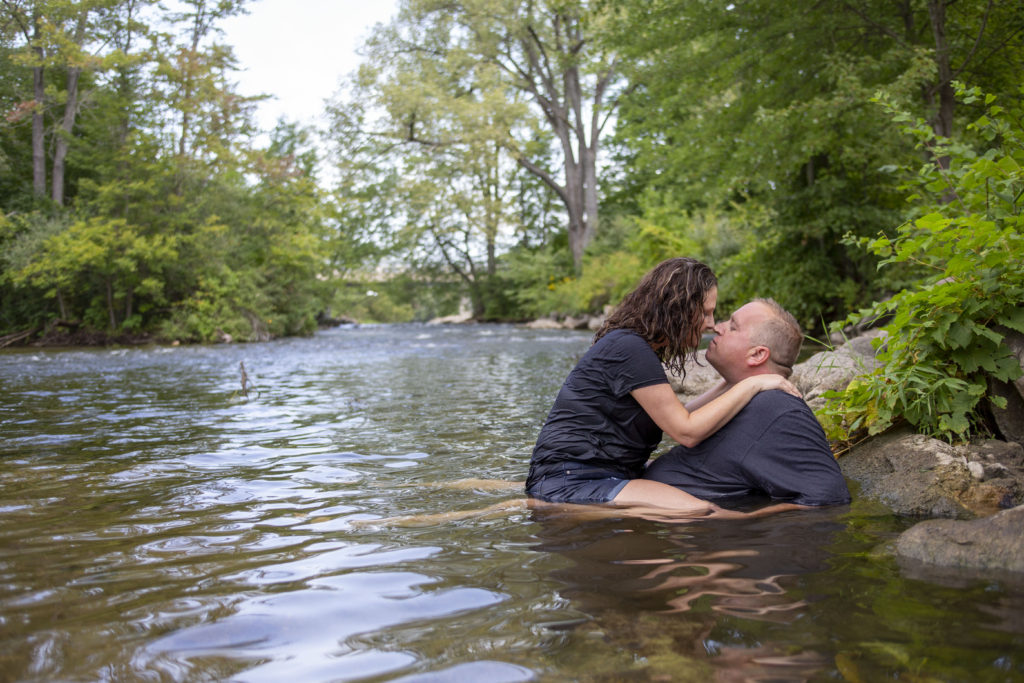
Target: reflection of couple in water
[[751, 434], [736, 600]]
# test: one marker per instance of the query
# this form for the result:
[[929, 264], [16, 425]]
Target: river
[[161, 520]]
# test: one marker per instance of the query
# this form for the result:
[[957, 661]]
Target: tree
[[765, 108], [545, 51], [172, 223], [455, 207], [58, 36], [449, 175], [366, 170], [111, 260], [26, 17]]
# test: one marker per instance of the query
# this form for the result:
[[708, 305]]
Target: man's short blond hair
[[782, 335]]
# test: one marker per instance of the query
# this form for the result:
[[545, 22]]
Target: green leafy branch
[[944, 338]]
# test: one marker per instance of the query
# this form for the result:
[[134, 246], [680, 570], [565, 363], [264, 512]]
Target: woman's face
[[708, 321]]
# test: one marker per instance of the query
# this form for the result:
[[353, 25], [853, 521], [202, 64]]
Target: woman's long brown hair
[[666, 309]]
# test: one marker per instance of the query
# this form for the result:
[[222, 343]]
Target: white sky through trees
[[298, 51]]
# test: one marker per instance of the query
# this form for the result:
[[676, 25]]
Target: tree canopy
[[149, 210], [762, 113]]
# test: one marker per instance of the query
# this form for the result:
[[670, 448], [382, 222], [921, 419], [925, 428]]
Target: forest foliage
[[523, 159]]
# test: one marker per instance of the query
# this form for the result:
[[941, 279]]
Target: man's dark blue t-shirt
[[774, 447], [595, 422]]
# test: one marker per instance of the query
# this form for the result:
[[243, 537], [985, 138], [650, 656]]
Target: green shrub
[[944, 338], [606, 279]]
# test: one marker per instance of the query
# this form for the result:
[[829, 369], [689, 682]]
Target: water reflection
[[697, 572], [306, 629]]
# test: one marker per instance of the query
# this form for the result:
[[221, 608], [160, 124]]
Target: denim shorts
[[577, 485]]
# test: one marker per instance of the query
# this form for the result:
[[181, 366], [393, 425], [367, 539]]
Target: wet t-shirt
[[595, 423], [773, 447]]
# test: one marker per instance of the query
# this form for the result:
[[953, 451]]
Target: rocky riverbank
[[60, 333], [585, 322]]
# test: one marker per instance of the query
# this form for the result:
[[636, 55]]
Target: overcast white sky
[[299, 50]]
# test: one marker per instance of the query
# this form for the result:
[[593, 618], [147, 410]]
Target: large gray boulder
[[910, 473], [919, 476], [700, 377], [991, 543], [833, 369]]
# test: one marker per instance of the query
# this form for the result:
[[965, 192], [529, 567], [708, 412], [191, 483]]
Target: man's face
[[729, 350]]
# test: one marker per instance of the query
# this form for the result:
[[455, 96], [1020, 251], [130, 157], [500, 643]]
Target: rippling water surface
[[158, 523]]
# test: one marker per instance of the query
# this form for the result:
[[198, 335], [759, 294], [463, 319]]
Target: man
[[774, 446]]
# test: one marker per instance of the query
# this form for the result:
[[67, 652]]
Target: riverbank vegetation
[[962, 247], [524, 160]]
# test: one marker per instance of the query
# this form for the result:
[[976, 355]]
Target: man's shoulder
[[777, 402], [779, 413]]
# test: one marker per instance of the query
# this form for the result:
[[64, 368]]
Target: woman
[[612, 409]]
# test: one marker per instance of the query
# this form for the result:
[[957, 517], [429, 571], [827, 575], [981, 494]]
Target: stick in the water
[[245, 379]]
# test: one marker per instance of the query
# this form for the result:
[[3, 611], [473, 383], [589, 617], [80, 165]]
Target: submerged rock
[[991, 543], [911, 474]]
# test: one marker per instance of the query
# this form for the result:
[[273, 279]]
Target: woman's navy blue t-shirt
[[595, 423]]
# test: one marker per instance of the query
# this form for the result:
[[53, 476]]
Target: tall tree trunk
[[29, 26], [38, 129], [572, 193], [575, 208], [942, 122], [61, 306], [60, 151], [588, 163], [493, 213], [200, 27], [110, 304], [563, 109]]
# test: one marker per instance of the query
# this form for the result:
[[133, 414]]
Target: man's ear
[[758, 355]]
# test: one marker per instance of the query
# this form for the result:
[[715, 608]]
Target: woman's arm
[[690, 428], [708, 396]]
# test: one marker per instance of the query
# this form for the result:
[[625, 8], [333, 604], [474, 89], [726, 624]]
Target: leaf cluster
[[944, 337]]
